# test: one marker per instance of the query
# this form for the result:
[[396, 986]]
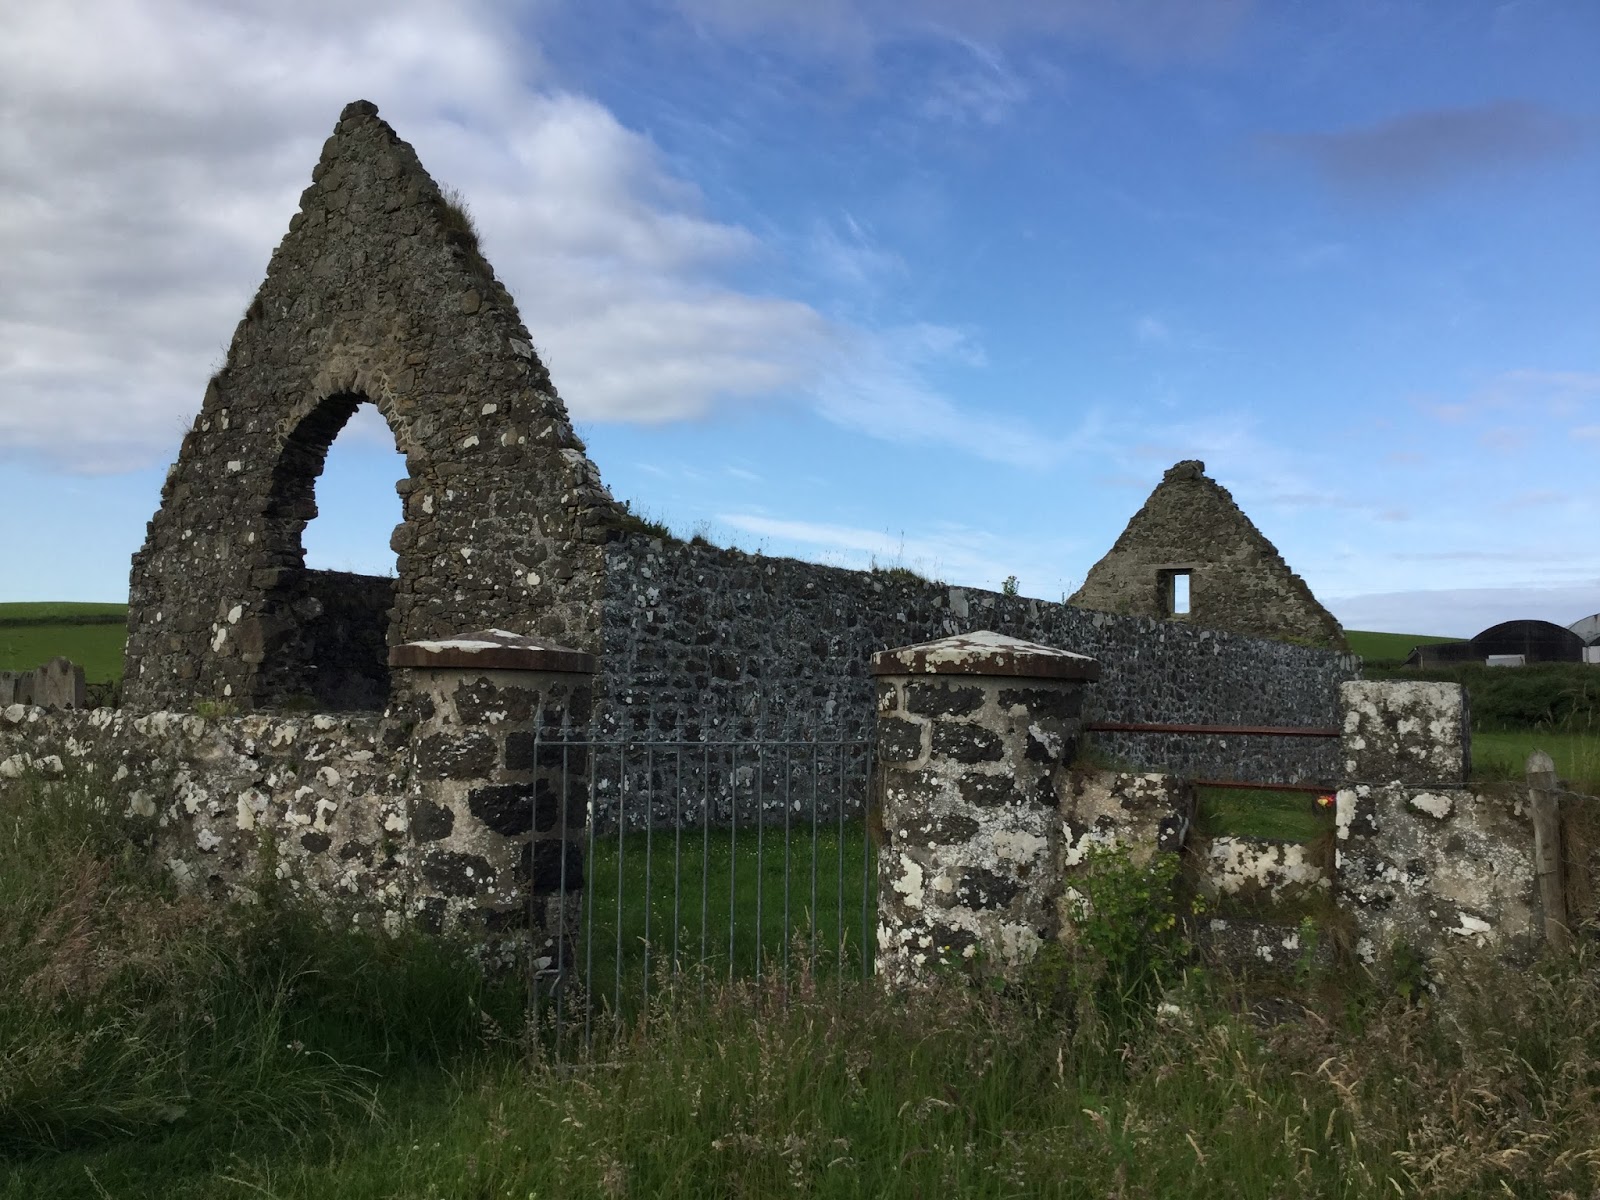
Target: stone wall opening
[[330, 628], [1175, 592]]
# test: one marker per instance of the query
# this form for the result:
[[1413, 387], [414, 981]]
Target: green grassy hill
[[1387, 646], [34, 632]]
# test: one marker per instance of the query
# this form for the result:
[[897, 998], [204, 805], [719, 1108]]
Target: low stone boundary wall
[[318, 802], [452, 810]]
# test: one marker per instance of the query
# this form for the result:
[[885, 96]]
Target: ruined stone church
[[377, 295], [1190, 554]]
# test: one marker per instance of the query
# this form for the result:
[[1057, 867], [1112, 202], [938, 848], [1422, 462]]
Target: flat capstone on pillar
[[499, 799], [975, 735]]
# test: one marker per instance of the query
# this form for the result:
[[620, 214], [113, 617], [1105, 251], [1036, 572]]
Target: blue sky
[[940, 284]]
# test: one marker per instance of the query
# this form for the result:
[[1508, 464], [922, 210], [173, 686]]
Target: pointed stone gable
[[378, 294], [1237, 580]]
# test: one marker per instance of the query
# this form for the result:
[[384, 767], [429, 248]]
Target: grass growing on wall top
[[1250, 812]]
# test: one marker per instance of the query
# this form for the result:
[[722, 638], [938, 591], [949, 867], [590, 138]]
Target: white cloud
[[1152, 330], [151, 153], [955, 554], [1464, 612], [879, 386]]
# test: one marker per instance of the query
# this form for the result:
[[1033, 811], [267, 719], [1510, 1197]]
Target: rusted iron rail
[[1315, 788], [1317, 731]]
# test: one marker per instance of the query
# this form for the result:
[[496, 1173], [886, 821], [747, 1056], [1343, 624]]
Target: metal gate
[[704, 861]]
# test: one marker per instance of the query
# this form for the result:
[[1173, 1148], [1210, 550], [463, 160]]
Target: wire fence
[[703, 861]]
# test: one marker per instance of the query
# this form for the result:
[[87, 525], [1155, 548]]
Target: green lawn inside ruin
[[726, 903], [1286, 816]]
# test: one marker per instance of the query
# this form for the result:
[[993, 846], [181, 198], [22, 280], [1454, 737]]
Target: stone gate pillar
[[975, 734], [1425, 860], [498, 803]]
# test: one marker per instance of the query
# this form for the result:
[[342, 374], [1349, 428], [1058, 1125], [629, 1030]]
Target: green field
[[96, 648], [766, 899], [91, 635], [1389, 646], [1504, 755], [1249, 812]]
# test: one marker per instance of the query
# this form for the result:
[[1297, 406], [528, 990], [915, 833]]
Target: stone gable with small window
[[1190, 554]]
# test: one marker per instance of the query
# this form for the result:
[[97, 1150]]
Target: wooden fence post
[[1545, 807]]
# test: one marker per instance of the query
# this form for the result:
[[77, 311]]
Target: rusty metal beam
[[1318, 731]]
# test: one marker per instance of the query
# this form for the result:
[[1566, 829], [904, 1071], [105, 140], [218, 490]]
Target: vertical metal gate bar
[[705, 856], [649, 825], [867, 940], [839, 874], [811, 916], [588, 938], [530, 949], [788, 773], [560, 978], [622, 826], [677, 849], [733, 853], [761, 855]]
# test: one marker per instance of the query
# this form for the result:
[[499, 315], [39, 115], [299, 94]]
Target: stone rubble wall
[[456, 816], [702, 641], [969, 867], [1424, 860], [1237, 579], [377, 294], [1431, 868], [318, 802]]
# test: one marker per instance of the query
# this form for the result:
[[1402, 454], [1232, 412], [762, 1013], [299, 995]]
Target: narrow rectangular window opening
[[1178, 593]]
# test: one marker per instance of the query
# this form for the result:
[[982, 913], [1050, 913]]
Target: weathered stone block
[[1414, 734], [964, 743], [1434, 869], [431, 822], [547, 865], [466, 754], [899, 741], [457, 875], [942, 698]]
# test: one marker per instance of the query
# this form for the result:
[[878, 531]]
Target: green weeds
[[156, 1044]]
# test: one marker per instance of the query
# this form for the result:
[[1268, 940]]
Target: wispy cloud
[[1528, 394], [879, 385], [956, 554], [1152, 330], [1416, 151], [1146, 31], [1463, 612], [152, 153]]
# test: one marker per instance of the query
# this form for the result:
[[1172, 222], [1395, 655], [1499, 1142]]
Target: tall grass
[[153, 1044], [127, 1009]]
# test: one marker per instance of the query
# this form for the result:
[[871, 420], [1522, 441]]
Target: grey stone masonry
[[704, 642], [377, 294], [1414, 734], [459, 809], [975, 737], [1423, 861], [498, 801], [1191, 528]]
